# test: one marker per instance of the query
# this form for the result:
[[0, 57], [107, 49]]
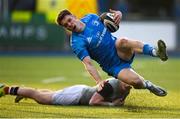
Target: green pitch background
[[57, 72]]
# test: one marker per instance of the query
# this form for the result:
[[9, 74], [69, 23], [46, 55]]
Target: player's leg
[[19, 97], [130, 77], [45, 90], [125, 47], [38, 96]]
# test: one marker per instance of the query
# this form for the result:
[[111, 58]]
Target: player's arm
[[97, 99], [91, 69], [79, 47], [118, 102]]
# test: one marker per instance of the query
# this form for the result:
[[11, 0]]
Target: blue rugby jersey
[[95, 41]]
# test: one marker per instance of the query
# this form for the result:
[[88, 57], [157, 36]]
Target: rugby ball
[[107, 19]]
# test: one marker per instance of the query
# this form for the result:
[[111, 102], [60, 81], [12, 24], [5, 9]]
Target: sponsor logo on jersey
[[89, 39], [98, 34], [101, 37]]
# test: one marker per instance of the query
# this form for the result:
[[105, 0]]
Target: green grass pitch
[[57, 72]]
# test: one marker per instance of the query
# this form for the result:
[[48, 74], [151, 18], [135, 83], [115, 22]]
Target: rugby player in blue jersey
[[92, 40]]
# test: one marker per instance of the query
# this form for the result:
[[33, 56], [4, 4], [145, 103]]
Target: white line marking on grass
[[53, 80]]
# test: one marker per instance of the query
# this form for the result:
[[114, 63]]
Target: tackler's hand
[[101, 84]]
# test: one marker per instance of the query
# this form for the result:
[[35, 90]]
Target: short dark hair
[[106, 91], [61, 15]]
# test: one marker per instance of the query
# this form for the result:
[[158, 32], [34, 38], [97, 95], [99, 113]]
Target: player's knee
[[42, 100], [137, 83], [123, 42]]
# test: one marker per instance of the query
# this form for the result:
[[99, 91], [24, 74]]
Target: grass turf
[[58, 72]]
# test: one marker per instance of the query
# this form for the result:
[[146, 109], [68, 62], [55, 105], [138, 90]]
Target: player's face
[[71, 23]]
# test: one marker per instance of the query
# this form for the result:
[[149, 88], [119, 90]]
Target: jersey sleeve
[[79, 47]]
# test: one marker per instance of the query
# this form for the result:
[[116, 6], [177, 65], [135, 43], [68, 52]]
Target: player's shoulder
[[91, 15], [74, 38], [88, 17], [76, 35], [77, 40], [113, 81]]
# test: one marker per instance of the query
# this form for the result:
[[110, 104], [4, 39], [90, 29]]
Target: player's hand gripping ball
[[107, 19]]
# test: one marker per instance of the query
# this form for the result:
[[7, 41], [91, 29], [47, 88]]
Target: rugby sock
[[6, 90], [148, 50], [154, 52], [144, 84], [13, 90], [147, 84]]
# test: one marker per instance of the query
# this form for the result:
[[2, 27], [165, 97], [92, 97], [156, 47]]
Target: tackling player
[[113, 93], [92, 40]]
